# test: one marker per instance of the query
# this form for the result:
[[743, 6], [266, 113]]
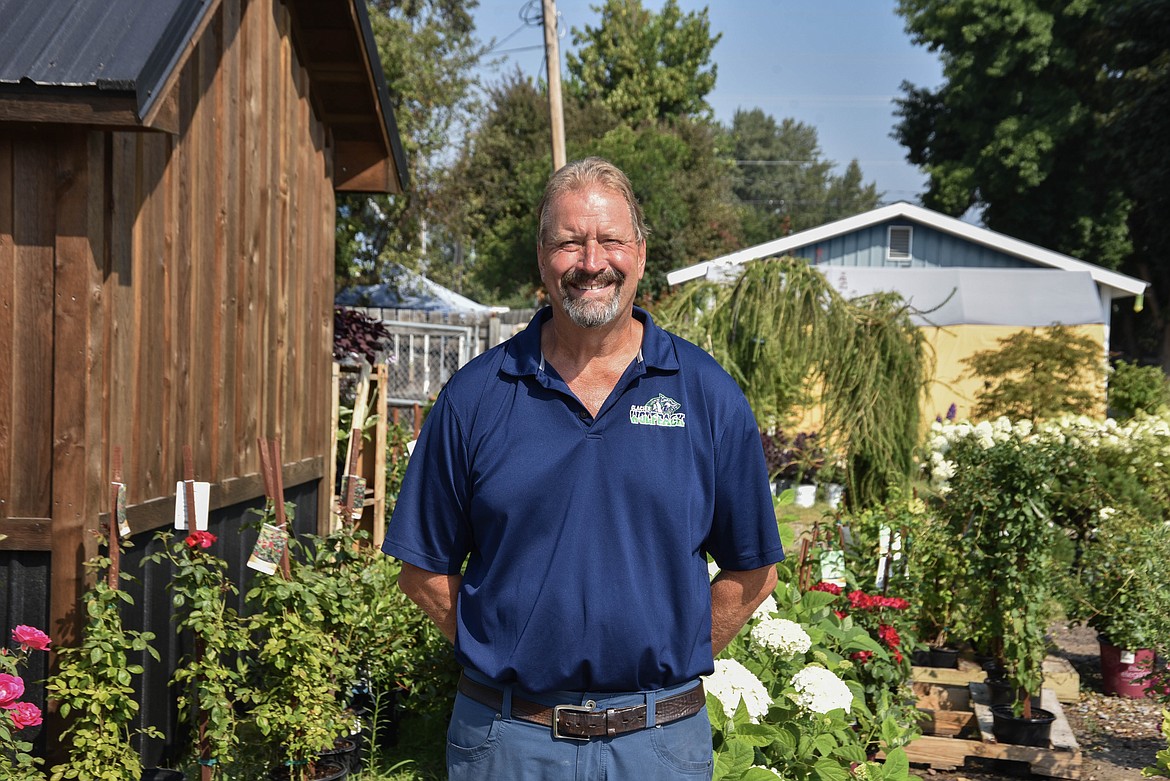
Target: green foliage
[[782, 181], [92, 687], [16, 760], [1133, 387], [997, 501], [1162, 767], [782, 330], [300, 671], [428, 53], [791, 738], [1017, 128], [1038, 374], [209, 680], [644, 66]]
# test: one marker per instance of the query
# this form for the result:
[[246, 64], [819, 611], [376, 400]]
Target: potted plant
[[16, 760], [1125, 569], [299, 676], [92, 687], [808, 457], [208, 679], [997, 497]]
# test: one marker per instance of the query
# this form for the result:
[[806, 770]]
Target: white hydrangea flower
[[731, 682], [766, 608], [781, 636], [820, 691]]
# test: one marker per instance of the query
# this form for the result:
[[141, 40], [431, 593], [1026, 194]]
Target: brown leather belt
[[582, 722]]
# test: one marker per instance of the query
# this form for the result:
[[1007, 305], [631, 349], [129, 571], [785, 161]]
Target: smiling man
[[558, 511]]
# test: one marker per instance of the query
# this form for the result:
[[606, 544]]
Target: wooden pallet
[[1059, 676], [1062, 759]]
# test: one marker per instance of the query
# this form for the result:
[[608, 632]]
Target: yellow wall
[[951, 344]]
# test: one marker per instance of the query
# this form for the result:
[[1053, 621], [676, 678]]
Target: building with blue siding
[[971, 287]]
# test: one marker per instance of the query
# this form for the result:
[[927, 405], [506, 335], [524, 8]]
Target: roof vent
[[901, 238]]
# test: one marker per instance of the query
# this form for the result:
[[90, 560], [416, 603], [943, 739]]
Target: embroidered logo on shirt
[[659, 411]]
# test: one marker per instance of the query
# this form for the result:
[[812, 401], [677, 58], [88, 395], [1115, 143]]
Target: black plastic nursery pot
[[324, 770], [344, 752], [1009, 728], [1000, 691], [944, 657], [161, 774]]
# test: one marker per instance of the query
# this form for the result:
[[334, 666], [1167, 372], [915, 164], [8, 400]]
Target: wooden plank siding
[[158, 290]]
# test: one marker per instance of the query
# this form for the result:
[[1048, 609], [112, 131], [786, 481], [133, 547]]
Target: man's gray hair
[[585, 173]]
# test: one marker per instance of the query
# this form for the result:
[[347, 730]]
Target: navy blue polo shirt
[[584, 538]]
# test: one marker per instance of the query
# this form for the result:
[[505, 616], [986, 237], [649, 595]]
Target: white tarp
[[979, 296], [405, 289]]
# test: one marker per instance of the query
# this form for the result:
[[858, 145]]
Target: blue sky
[[833, 64]]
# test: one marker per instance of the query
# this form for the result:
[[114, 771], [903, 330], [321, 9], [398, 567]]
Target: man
[[583, 470]]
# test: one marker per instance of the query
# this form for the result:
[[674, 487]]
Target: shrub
[[1134, 388]]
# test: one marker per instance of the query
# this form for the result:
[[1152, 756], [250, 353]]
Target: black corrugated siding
[[24, 578]]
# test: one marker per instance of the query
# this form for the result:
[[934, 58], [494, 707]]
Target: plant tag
[[1128, 657], [359, 495], [269, 549], [833, 567], [120, 512], [202, 501]]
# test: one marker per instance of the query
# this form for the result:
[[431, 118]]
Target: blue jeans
[[488, 745]]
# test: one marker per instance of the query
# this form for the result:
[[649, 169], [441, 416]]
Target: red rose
[[30, 638], [889, 635], [25, 714], [859, 600], [897, 656], [828, 588], [861, 657], [200, 539], [840, 614]]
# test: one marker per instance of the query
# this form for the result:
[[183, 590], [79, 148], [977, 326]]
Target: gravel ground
[[1118, 737]]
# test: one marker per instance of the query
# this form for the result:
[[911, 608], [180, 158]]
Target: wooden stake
[[114, 541]]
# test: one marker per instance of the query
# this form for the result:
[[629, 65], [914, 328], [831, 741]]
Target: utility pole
[[556, 112]]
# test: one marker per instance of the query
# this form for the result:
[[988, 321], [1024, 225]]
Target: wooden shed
[[168, 171]]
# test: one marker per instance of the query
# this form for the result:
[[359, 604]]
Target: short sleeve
[[429, 527], [744, 534]]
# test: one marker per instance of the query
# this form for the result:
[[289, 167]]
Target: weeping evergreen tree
[[793, 342]]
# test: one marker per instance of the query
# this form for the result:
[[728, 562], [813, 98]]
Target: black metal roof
[[126, 46]]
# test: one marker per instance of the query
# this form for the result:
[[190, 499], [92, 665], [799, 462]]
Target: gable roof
[[115, 63], [1120, 284], [406, 289]]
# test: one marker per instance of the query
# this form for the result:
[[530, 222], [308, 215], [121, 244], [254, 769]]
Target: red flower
[[25, 714], [828, 588], [889, 635], [30, 638], [840, 614], [861, 657], [894, 603], [897, 656], [859, 600], [200, 539]]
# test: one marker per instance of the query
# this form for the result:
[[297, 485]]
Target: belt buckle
[[588, 707]]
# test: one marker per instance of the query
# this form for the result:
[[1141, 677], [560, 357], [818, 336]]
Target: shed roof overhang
[[116, 64]]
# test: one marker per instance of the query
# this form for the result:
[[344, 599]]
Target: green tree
[[1017, 128], [643, 66], [1139, 121], [428, 52], [1039, 374], [783, 182]]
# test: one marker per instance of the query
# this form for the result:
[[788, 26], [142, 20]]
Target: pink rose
[[25, 714], [11, 690], [31, 638]]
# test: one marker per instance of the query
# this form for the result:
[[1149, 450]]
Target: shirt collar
[[522, 355]]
